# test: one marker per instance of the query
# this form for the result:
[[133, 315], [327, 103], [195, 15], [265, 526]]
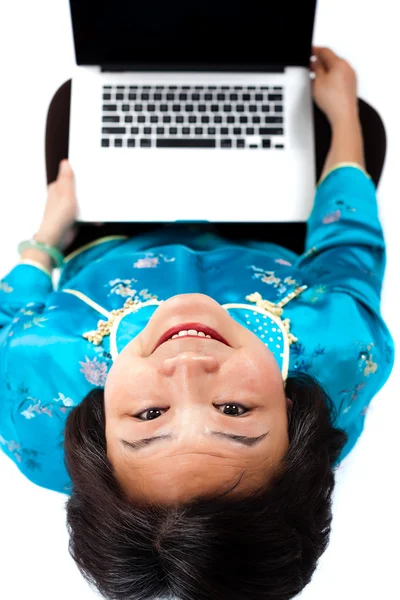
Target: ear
[[289, 402]]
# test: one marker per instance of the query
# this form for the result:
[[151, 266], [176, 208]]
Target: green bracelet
[[53, 252]]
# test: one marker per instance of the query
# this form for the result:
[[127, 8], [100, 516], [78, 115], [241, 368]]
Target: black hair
[[263, 545]]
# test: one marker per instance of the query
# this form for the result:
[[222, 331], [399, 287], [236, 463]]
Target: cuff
[[340, 166]]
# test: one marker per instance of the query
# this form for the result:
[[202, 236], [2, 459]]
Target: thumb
[[64, 168]]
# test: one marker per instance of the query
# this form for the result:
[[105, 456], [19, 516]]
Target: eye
[[152, 413], [233, 410]]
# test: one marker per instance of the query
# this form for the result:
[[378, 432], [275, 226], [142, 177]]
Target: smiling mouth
[[199, 327]]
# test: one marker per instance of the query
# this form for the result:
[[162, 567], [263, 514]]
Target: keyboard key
[[198, 130], [205, 119], [126, 107], [111, 119], [141, 119], [233, 97], [151, 107], [114, 130], [145, 143], [195, 97], [225, 87], [273, 119], [250, 131], [118, 143], [211, 131], [120, 87], [243, 119], [278, 108], [226, 143], [199, 87], [133, 87], [227, 108], [246, 98], [264, 87], [167, 119], [147, 130], [189, 107], [266, 143], [186, 87], [212, 87], [220, 97], [186, 143], [147, 87], [164, 107], [275, 97], [109, 107], [230, 120], [185, 130], [131, 143], [173, 130], [107, 87], [134, 130], [192, 119], [278, 87], [256, 120], [270, 131], [128, 119], [105, 142], [259, 97], [138, 107], [119, 96], [265, 108], [183, 97], [202, 108], [157, 97], [251, 87], [224, 131], [240, 144], [176, 108], [208, 97], [160, 130], [172, 87], [171, 97], [159, 87], [239, 108], [279, 146], [238, 87], [145, 97], [217, 119], [179, 119], [106, 96], [132, 96], [214, 108], [237, 131], [153, 119]]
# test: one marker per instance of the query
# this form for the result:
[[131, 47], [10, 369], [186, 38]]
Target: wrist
[[48, 236], [347, 118]]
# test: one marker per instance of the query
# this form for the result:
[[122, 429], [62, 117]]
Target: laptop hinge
[[198, 68]]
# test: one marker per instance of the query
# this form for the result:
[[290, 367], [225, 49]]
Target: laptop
[[192, 111]]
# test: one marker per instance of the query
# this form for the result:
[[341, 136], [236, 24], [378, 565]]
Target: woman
[[202, 417]]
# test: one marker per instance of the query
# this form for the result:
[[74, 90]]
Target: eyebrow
[[240, 439]]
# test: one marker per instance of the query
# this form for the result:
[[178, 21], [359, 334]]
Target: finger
[[65, 169], [327, 57], [317, 67]]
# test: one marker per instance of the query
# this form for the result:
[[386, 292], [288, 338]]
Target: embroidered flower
[[332, 217], [37, 408], [64, 399], [4, 287], [281, 261], [95, 371], [146, 263]]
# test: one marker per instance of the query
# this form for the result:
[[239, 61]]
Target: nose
[[190, 363]]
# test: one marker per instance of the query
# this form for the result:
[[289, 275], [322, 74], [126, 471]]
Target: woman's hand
[[334, 86], [57, 226]]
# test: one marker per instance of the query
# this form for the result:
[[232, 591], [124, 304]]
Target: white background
[[37, 56]]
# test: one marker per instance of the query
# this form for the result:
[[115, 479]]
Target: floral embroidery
[[22, 455], [281, 261], [304, 362], [94, 370], [36, 321], [270, 278], [350, 395], [4, 287], [370, 366], [121, 287], [64, 399], [150, 261], [316, 293], [332, 217], [37, 408]]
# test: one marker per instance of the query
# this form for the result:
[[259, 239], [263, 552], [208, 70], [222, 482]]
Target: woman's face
[[193, 393]]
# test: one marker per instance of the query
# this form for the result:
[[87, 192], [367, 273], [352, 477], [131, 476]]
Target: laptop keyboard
[[161, 116]]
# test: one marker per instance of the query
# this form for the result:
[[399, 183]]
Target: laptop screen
[[203, 35]]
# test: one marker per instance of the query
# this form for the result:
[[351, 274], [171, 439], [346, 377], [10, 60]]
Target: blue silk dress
[[330, 325]]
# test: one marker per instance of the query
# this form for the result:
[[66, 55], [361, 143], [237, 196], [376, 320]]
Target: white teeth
[[185, 332]]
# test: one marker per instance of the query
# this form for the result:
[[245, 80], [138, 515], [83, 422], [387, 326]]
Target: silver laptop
[[192, 111]]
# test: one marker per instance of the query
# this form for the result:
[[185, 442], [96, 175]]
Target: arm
[[30, 281]]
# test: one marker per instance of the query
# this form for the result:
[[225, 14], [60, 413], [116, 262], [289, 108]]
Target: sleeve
[[26, 283], [345, 246]]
